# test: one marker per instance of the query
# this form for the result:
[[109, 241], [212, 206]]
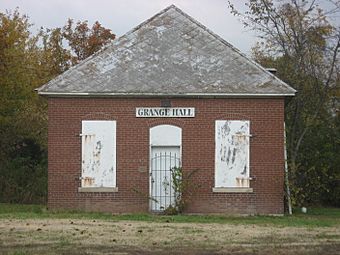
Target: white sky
[[122, 15]]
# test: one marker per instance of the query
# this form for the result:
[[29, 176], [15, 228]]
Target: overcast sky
[[122, 15]]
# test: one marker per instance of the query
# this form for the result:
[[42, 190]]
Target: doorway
[[165, 155]]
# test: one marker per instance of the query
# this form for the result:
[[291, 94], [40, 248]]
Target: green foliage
[[25, 178], [26, 62], [179, 185], [298, 39], [22, 113], [55, 58], [184, 187], [316, 180]]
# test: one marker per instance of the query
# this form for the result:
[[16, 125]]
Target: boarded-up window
[[231, 153], [98, 153]]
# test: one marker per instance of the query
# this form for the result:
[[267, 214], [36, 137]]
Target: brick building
[[170, 93]]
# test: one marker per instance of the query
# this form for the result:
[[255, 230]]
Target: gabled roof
[[171, 54]]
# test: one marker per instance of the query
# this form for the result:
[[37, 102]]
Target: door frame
[[156, 138]]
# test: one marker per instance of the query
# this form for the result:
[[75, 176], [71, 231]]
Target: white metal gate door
[[163, 159]]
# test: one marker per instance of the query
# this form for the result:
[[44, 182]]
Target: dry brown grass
[[85, 236]]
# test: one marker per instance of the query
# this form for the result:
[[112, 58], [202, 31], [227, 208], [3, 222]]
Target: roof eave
[[188, 95]]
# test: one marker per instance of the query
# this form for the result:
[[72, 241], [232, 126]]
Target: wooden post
[[289, 201]]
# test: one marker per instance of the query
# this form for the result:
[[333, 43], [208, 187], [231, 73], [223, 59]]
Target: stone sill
[[97, 189], [233, 190]]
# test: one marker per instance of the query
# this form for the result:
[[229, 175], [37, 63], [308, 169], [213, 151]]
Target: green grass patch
[[316, 217]]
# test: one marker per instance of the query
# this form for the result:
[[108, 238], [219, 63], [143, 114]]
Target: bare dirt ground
[[65, 236]]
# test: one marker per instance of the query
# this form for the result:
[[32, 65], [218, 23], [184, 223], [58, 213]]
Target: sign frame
[[165, 112]]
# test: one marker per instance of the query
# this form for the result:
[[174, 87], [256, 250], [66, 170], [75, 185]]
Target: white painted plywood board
[[98, 153], [232, 153]]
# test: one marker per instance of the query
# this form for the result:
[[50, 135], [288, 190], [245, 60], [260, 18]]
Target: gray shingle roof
[[169, 54]]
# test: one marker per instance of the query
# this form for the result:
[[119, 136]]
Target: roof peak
[[172, 6]]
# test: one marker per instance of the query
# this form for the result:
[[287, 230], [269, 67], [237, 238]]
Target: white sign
[[165, 112]]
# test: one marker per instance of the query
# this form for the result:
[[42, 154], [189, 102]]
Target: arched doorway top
[[165, 135]]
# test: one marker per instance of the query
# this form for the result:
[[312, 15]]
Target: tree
[[298, 38], [64, 47], [26, 62], [85, 41], [22, 113], [55, 57]]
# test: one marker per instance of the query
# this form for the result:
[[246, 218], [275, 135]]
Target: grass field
[[31, 229]]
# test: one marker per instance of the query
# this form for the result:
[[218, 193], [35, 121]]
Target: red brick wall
[[198, 140]]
